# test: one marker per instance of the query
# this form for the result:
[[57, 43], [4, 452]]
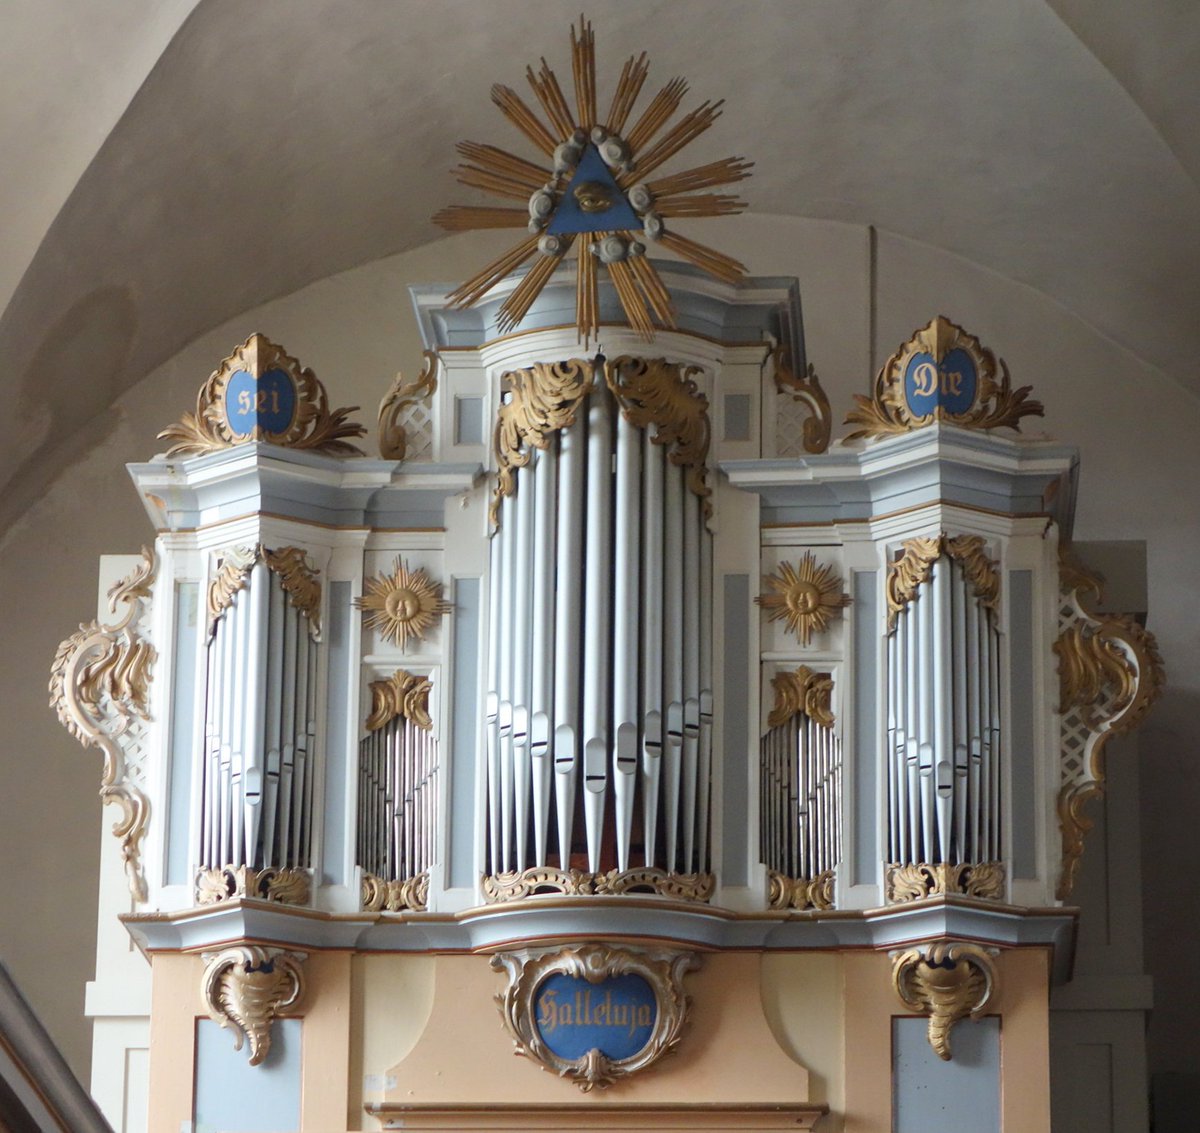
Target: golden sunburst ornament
[[808, 597], [596, 195], [403, 604]]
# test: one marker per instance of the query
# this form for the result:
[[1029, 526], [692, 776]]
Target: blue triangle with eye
[[592, 200]]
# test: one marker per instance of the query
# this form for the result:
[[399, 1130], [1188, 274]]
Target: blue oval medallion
[[952, 385], [269, 403], [616, 1016]]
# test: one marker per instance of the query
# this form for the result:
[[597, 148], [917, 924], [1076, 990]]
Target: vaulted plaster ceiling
[[170, 163]]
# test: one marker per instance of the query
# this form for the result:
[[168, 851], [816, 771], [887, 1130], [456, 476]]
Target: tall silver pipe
[[672, 649], [508, 537], [522, 609], [653, 462], [597, 642], [492, 702], [568, 628], [541, 701], [691, 672]]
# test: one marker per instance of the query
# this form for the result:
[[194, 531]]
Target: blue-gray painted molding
[[310, 487], [938, 463], [930, 1095], [733, 313]]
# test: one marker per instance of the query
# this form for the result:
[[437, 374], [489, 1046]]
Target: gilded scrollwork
[[653, 391], [293, 401], [543, 398], [911, 881], [296, 575], [990, 403], [947, 982], [807, 597], [662, 969], [800, 892], [248, 987], [379, 895], [288, 885], [808, 392], [1110, 673], [516, 885], [801, 691], [393, 440], [100, 690], [914, 565], [402, 605], [403, 694]]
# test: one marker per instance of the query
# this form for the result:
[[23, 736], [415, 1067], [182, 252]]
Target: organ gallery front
[[598, 706]]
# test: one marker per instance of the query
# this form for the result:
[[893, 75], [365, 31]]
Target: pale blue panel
[[735, 648], [737, 417], [865, 613], [183, 723], [468, 420], [930, 1095], [464, 717], [1024, 768], [234, 1097], [337, 760]]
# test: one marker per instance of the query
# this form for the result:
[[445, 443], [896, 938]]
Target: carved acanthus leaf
[[653, 391], [299, 581], [913, 568], [542, 399], [401, 695], [516, 885], [802, 691], [233, 574], [309, 425], [289, 885], [250, 987], [1110, 674], [379, 895], [947, 982], [800, 892], [100, 689], [911, 881], [806, 390], [393, 442]]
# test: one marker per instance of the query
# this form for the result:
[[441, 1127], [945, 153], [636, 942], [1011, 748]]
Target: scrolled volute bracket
[[947, 982], [248, 987]]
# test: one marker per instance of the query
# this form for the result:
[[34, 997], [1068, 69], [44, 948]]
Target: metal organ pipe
[[522, 605], [541, 703], [597, 648], [654, 458]]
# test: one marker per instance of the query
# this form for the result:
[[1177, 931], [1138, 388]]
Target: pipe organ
[[599, 697], [598, 655]]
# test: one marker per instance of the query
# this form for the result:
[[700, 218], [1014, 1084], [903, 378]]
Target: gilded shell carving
[[289, 885], [249, 987], [947, 982], [800, 892], [100, 690]]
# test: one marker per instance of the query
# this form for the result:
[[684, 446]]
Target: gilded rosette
[[947, 982], [806, 597], [993, 402], [100, 690], [402, 605], [309, 425]]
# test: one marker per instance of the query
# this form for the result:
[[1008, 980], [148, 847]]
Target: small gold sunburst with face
[[403, 604], [808, 597]]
